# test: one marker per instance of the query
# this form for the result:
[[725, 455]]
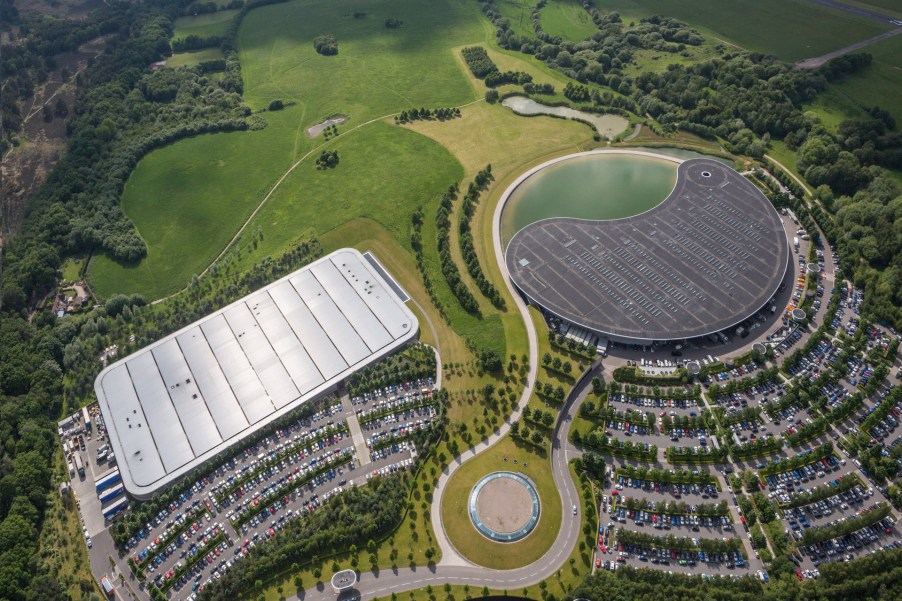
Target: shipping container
[[108, 478], [111, 493], [115, 507]]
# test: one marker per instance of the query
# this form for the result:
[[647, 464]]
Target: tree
[[276, 105], [326, 45], [491, 96], [60, 109]]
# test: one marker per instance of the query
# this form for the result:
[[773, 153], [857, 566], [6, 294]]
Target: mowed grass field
[[519, 13], [881, 83], [189, 199], [184, 59], [790, 29], [889, 7], [205, 25], [377, 71], [568, 19]]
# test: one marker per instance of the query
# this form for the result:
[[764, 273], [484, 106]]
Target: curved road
[[453, 567]]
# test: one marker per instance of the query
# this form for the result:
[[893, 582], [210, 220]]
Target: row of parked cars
[[705, 490], [303, 458], [285, 484], [654, 403], [812, 471], [660, 521], [732, 559], [841, 549]]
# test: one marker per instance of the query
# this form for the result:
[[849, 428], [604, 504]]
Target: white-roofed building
[[179, 402]]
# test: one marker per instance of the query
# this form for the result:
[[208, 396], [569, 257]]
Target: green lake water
[[600, 186]]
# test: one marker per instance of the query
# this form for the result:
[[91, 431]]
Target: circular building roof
[[709, 256]]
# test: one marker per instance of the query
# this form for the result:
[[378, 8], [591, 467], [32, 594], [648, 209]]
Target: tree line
[[356, 516], [870, 578], [415, 114], [467, 248], [449, 267], [416, 243]]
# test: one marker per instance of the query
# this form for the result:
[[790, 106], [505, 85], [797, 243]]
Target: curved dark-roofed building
[[713, 253]]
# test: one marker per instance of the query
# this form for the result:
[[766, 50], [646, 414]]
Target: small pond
[[608, 126]]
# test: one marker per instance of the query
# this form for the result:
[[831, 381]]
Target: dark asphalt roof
[[709, 256]]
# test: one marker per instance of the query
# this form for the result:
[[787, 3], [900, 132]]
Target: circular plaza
[[504, 506]]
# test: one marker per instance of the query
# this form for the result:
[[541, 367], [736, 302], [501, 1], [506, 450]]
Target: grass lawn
[[568, 19], [833, 107], [519, 13], [377, 71], [184, 59], [206, 25], [787, 157], [189, 199], [877, 85], [455, 516], [790, 29], [655, 61], [72, 269], [888, 7]]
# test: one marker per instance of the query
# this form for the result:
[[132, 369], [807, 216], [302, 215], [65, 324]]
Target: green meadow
[[188, 200], [205, 25], [568, 19], [790, 29]]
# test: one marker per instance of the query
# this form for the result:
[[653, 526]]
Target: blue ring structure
[[505, 537]]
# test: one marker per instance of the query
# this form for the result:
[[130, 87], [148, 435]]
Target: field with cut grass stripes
[[790, 29]]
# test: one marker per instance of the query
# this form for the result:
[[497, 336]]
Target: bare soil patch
[[504, 505]]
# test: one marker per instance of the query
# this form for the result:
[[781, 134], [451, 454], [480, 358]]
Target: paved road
[[856, 10], [813, 63]]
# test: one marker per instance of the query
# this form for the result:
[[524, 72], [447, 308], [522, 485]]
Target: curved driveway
[[453, 567]]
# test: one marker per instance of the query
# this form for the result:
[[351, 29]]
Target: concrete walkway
[[363, 453]]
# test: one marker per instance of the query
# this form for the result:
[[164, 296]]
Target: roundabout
[[504, 506]]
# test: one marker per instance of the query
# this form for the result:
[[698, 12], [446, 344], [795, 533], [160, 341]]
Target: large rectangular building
[[172, 406]]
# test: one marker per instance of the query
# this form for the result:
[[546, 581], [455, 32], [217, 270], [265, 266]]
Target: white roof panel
[[349, 343], [263, 358], [327, 358], [168, 435], [370, 287], [351, 305], [294, 357], [237, 369], [213, 385], [126, 423], [190, 406], [174, 405]]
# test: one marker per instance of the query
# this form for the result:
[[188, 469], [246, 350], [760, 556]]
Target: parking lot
[[253, 495], [696, 512]]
